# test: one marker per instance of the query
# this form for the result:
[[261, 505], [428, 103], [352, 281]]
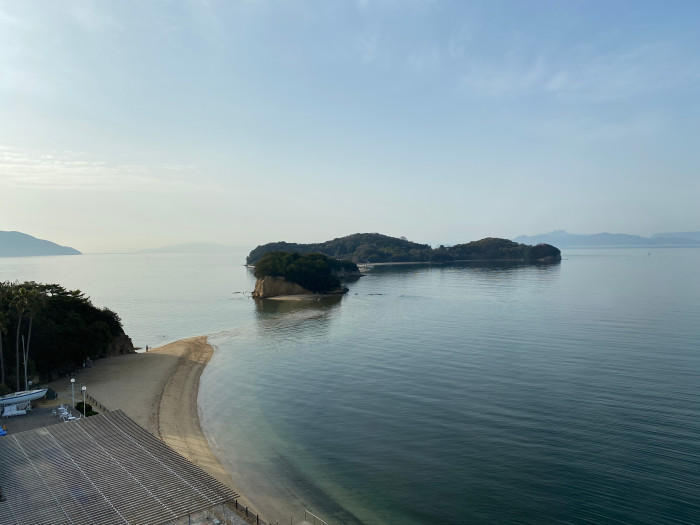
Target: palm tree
[[4, 295], [3, 320], [19, 302], [34, 302]]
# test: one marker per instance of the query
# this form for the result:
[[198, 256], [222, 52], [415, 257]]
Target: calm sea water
[[559, 394]]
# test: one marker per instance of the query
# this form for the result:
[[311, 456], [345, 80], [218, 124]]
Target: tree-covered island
[[284, 273], [378, 248]]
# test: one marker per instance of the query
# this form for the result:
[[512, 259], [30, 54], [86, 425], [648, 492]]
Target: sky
[[128, 125]]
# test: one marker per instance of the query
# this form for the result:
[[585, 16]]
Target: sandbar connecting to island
[[158, 389]]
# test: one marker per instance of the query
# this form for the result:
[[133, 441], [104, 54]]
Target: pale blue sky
[[126, 125]]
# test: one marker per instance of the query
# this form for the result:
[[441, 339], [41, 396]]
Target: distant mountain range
[[190, 247], [564, 239], [17, 244], [680, 235]]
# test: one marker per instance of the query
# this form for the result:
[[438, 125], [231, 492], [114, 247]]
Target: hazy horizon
[[137, 125]]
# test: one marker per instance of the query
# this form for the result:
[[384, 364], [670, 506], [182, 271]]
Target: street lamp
[[72, 392], [83, 388]]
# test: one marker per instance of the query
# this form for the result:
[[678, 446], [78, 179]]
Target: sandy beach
[[157, 389], [298, 297]]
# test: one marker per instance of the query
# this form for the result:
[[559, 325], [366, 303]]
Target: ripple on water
[[561, 394]]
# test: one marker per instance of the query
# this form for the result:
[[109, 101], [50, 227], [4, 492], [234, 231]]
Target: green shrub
[[66, 329], [88, 409], [313, 271]]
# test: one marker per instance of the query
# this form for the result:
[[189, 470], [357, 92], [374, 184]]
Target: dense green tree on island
[[377, 248], [54, 331], [315, 272], [359, 247]]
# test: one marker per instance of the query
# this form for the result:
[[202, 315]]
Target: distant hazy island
[[378, 248], [572, 240], [17, 244], [288, 274]]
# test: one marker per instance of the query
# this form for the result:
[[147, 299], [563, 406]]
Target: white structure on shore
[[24, 396], [19, 403]]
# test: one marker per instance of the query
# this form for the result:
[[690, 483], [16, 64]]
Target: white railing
[[316, 519]]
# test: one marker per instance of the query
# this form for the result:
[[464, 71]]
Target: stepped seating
[[103, 469]]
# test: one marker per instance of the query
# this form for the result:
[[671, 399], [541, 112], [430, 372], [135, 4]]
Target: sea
[[566, 393]]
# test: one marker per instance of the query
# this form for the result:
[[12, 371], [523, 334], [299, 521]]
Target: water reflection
[[281, 317], [280, 306], [477, 266], [503, 392]]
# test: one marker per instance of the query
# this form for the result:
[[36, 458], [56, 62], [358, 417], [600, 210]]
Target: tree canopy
[[377, 248], [56, 328], [315, 272], [360, 247]]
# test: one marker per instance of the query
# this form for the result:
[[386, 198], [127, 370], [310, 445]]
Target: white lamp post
[[72, 392], [84, 388]]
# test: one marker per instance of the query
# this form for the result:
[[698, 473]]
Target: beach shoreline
[[158, 389], [299, 297]]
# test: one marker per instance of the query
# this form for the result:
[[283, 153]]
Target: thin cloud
[[646, 69], [89, 17], [459, 41], [8, 20], [74, 171], [367, 47], [424, 60]]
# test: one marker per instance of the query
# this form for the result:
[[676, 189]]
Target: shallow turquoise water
[[561, 394]]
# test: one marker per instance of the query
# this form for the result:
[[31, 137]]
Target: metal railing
[[95, 403], [250, 517], [315, 518]]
